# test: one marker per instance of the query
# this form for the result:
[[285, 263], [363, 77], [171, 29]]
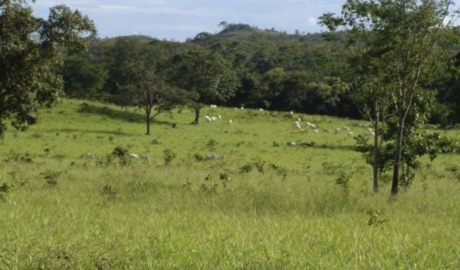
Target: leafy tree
[[146, 89], [206, 77], [406, 37], [83, 78], [29, 56], [136, 80]]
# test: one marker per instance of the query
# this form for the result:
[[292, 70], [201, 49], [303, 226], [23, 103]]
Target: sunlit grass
[[288, 215]]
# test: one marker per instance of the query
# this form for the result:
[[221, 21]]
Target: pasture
[[266, 205]]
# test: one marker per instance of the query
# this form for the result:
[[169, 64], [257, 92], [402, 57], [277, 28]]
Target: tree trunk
[[197, 116], [375, 165], [148, 111], [398, 151]]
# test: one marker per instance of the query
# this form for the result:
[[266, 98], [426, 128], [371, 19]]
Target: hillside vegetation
[[266, 205]]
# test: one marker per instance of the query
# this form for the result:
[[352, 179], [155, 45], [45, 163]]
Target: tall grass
[[288, 212]]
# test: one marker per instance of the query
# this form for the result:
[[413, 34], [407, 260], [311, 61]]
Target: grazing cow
[[90, 156], [144, 157], [325, 130], [350, 134], [133, 156], [214, 157], [292, 144], [337, 130]]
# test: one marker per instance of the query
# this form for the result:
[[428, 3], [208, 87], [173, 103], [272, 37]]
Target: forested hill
[[245, 32], [275, 70]]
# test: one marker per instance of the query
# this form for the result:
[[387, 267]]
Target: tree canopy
[[398, 48], [30, 53], [206, 76]]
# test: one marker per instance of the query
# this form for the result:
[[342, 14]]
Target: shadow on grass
[[85, 131], [313, 144], [115, 114], [336, 147]]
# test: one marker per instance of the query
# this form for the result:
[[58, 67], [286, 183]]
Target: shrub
[[120, 152], [37, 135], [155, 142], [168, 156], [6, 189], [198, 156], [212, 142], [51, 176], [247, 168], [344, 182], [259, 164]]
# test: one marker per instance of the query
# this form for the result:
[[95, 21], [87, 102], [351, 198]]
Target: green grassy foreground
[[281, 209]]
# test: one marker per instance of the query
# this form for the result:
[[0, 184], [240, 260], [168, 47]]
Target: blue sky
[[181, 19]]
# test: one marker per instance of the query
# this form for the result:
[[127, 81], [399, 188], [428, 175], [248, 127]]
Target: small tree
[[404, 39], [206, 77], [147, 90], [135, 78]]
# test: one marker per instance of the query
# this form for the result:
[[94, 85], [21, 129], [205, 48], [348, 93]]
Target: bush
[[198, 156], [120, 152], [169, 156], [247, 168]]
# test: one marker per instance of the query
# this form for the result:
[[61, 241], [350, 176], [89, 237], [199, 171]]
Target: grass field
[[265, 206]]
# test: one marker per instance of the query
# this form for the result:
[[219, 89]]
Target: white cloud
[[312, 21]]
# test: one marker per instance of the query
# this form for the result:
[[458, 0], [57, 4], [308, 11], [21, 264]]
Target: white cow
[[90, 156], [144, 157], [214, 157], [133, 156]]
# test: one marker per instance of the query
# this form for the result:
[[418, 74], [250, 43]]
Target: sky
[[181, 19]]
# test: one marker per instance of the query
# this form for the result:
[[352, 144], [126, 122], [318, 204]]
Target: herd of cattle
[[299, 124], [369, 132]]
